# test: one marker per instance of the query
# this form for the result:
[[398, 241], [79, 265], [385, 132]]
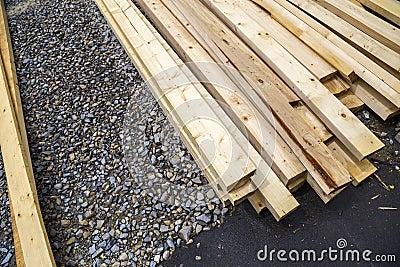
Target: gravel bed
[[78, 87]]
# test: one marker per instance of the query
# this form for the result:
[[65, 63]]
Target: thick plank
[[28, 220], [379, 29], [345, 125], [312, 153], [379, 104], [261, 134], [359, 170], [288, 15], [358, 38], [389, 9], [320, 45]]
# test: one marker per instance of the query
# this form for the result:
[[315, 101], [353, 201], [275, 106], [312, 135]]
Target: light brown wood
[[28, 219], [331, 111], [304, 54], [379, 104], [261, 134], [362, 41], [389, 9], [283, 10], [351, 101], [10, 73], [126, 41], [295, 132], [382, 31]]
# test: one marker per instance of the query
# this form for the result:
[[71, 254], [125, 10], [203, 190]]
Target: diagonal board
[[28, 220], [344, 124]]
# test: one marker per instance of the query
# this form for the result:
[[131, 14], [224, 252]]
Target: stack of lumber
[[32, 246], [272, 79]]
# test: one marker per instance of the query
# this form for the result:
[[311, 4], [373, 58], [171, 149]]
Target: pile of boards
[[272, 84], [32, 247]]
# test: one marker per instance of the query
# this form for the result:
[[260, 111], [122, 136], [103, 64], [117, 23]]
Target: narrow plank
[[389, 9], [345, 125], [379, 29], [329, 175], [389, 78], [358, 38], [326, 198], [247, 117], [28, 219], [287, 14], [320, 45], [379, 104], [304, 54], [10, 73], [359, 170]]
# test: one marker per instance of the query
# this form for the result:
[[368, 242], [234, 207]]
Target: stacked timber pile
[[285, 78]]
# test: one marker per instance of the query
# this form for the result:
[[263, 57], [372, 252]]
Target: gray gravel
[[77, 87]]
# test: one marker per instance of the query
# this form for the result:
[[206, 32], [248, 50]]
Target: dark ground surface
[[353, 215]]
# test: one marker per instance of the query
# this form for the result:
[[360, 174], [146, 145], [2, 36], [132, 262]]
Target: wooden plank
[[375, 101], [247, 117], [10, 73], [345, 125], [326, 198], [372, 66], [379, 29], [289, 124], [362, 41], [320, 45], [318, 127], [304, 54], [28, 219], [359, 170], [389, 9], [287, 14], [231, 162], [351, 101]]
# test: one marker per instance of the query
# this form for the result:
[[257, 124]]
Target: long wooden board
[[382, 31], [389, 9], [344, 124], [284, 12], [10, 73], [28, 220], [358, 38]]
